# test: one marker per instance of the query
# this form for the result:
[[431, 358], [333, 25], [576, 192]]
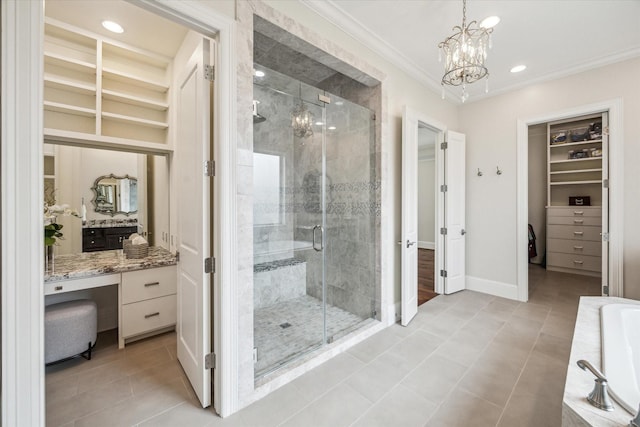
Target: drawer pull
[[578, 212], [58, 288], [575, 261], [146, 285], [578, 233], [157, 313], [578, 221], [578, 248]]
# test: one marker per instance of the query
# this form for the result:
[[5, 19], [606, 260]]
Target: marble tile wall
[[278, 281], [337, 58]]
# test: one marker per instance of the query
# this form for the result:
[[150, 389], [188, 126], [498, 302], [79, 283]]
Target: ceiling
[[142, 29], [553, 38]]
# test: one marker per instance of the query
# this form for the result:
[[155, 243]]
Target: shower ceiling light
[[259, 73], [331, 128], [465, 53], [301, 119]]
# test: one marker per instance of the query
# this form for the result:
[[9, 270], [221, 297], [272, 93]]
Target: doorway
[[562, 178], [427, 177]]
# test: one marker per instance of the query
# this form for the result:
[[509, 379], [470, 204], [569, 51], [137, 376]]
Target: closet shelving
[[100, 88]]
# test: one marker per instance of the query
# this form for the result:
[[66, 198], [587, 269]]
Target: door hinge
[[605, 237], [209, 72], [210, 361], [210, 265], [605, 290], [255, 354], [444, 188], [209, 168], [444, 145], [177, 256], [443, 230], [443, 273], [605, 183]]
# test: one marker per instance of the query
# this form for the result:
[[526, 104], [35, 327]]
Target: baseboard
[[392, 314], [491, 287], [426, 245]]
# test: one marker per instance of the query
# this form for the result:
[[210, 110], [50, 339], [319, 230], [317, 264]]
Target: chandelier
[[465, 53], [301, 119]]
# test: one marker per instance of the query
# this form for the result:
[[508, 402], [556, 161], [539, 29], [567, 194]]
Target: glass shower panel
[[351, 186], [287, 214]]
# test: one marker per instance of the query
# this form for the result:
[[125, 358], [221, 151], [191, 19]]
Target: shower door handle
[[318, 227]]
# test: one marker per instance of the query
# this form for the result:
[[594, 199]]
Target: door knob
[[463, 232], [410, 243]]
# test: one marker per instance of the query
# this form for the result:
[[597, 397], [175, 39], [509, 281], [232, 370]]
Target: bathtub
[[277, 249], [621, 352]]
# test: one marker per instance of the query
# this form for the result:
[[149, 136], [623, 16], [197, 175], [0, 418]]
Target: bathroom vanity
[[146, 287]]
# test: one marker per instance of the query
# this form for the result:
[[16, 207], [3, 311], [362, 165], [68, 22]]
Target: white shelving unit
[[574, 231], [101, 88]]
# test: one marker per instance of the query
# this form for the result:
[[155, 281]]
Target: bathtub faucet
[[599, 397]]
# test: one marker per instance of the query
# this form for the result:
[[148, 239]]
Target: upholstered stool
[[70, 329]]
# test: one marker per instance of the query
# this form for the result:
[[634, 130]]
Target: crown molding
[[333, 13]]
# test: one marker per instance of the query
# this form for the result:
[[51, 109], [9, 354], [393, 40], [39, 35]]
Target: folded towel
[[139, 240]]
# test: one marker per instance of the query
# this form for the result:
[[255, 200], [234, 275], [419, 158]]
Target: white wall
[[490, 126], [426, 203], [538, 187]]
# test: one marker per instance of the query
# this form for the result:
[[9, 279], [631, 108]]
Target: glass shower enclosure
[[314, 213]]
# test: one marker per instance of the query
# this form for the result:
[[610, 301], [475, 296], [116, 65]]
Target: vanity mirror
[[115, 195]]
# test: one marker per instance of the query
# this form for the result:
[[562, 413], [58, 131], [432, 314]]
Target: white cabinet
[[148, 301], [103, 88]]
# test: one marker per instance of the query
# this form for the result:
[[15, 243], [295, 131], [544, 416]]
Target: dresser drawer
[[576, 220], [574, 247], [574, 232], [577, 211], [578, 262], [146, 316], [146, 284]]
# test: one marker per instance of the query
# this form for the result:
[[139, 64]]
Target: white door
[[605, 203], [409, 233], [454, 213], [194, 233]]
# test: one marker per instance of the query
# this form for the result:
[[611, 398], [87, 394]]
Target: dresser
[[574, 241]]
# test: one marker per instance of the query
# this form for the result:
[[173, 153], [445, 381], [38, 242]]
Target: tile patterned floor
[[288, 329], [466, 359]]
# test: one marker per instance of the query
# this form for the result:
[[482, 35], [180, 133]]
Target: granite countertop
[[110, 223], [576, 411], [87, 264]]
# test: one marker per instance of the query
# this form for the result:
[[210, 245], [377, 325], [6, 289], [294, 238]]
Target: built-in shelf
[[593, 181], [567, 144], [63, 83], [134, 120], [134, 100], [575, 171], [68, 62], [586, 159], [124, 77], [69, 109]]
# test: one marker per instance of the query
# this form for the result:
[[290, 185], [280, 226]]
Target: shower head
[[257, 118]]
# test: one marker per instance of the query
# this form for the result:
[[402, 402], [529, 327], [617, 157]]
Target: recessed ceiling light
[[114, 27], [518, 68], [331, 128], [319, 123], [339, 102], [259, 73], [490, 21]]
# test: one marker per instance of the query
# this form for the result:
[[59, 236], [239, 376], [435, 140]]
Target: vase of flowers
[[52, 229]]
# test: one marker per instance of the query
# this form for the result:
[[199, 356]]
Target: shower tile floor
[[285, 330]]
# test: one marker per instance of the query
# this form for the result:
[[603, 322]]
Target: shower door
[[315, 210]]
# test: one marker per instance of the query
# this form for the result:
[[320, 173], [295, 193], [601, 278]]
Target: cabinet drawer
[[574, 247], [578, 262], [93, 243], [146, 284], [577, 211], [574, 232], [145, 316], [576, 220]]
